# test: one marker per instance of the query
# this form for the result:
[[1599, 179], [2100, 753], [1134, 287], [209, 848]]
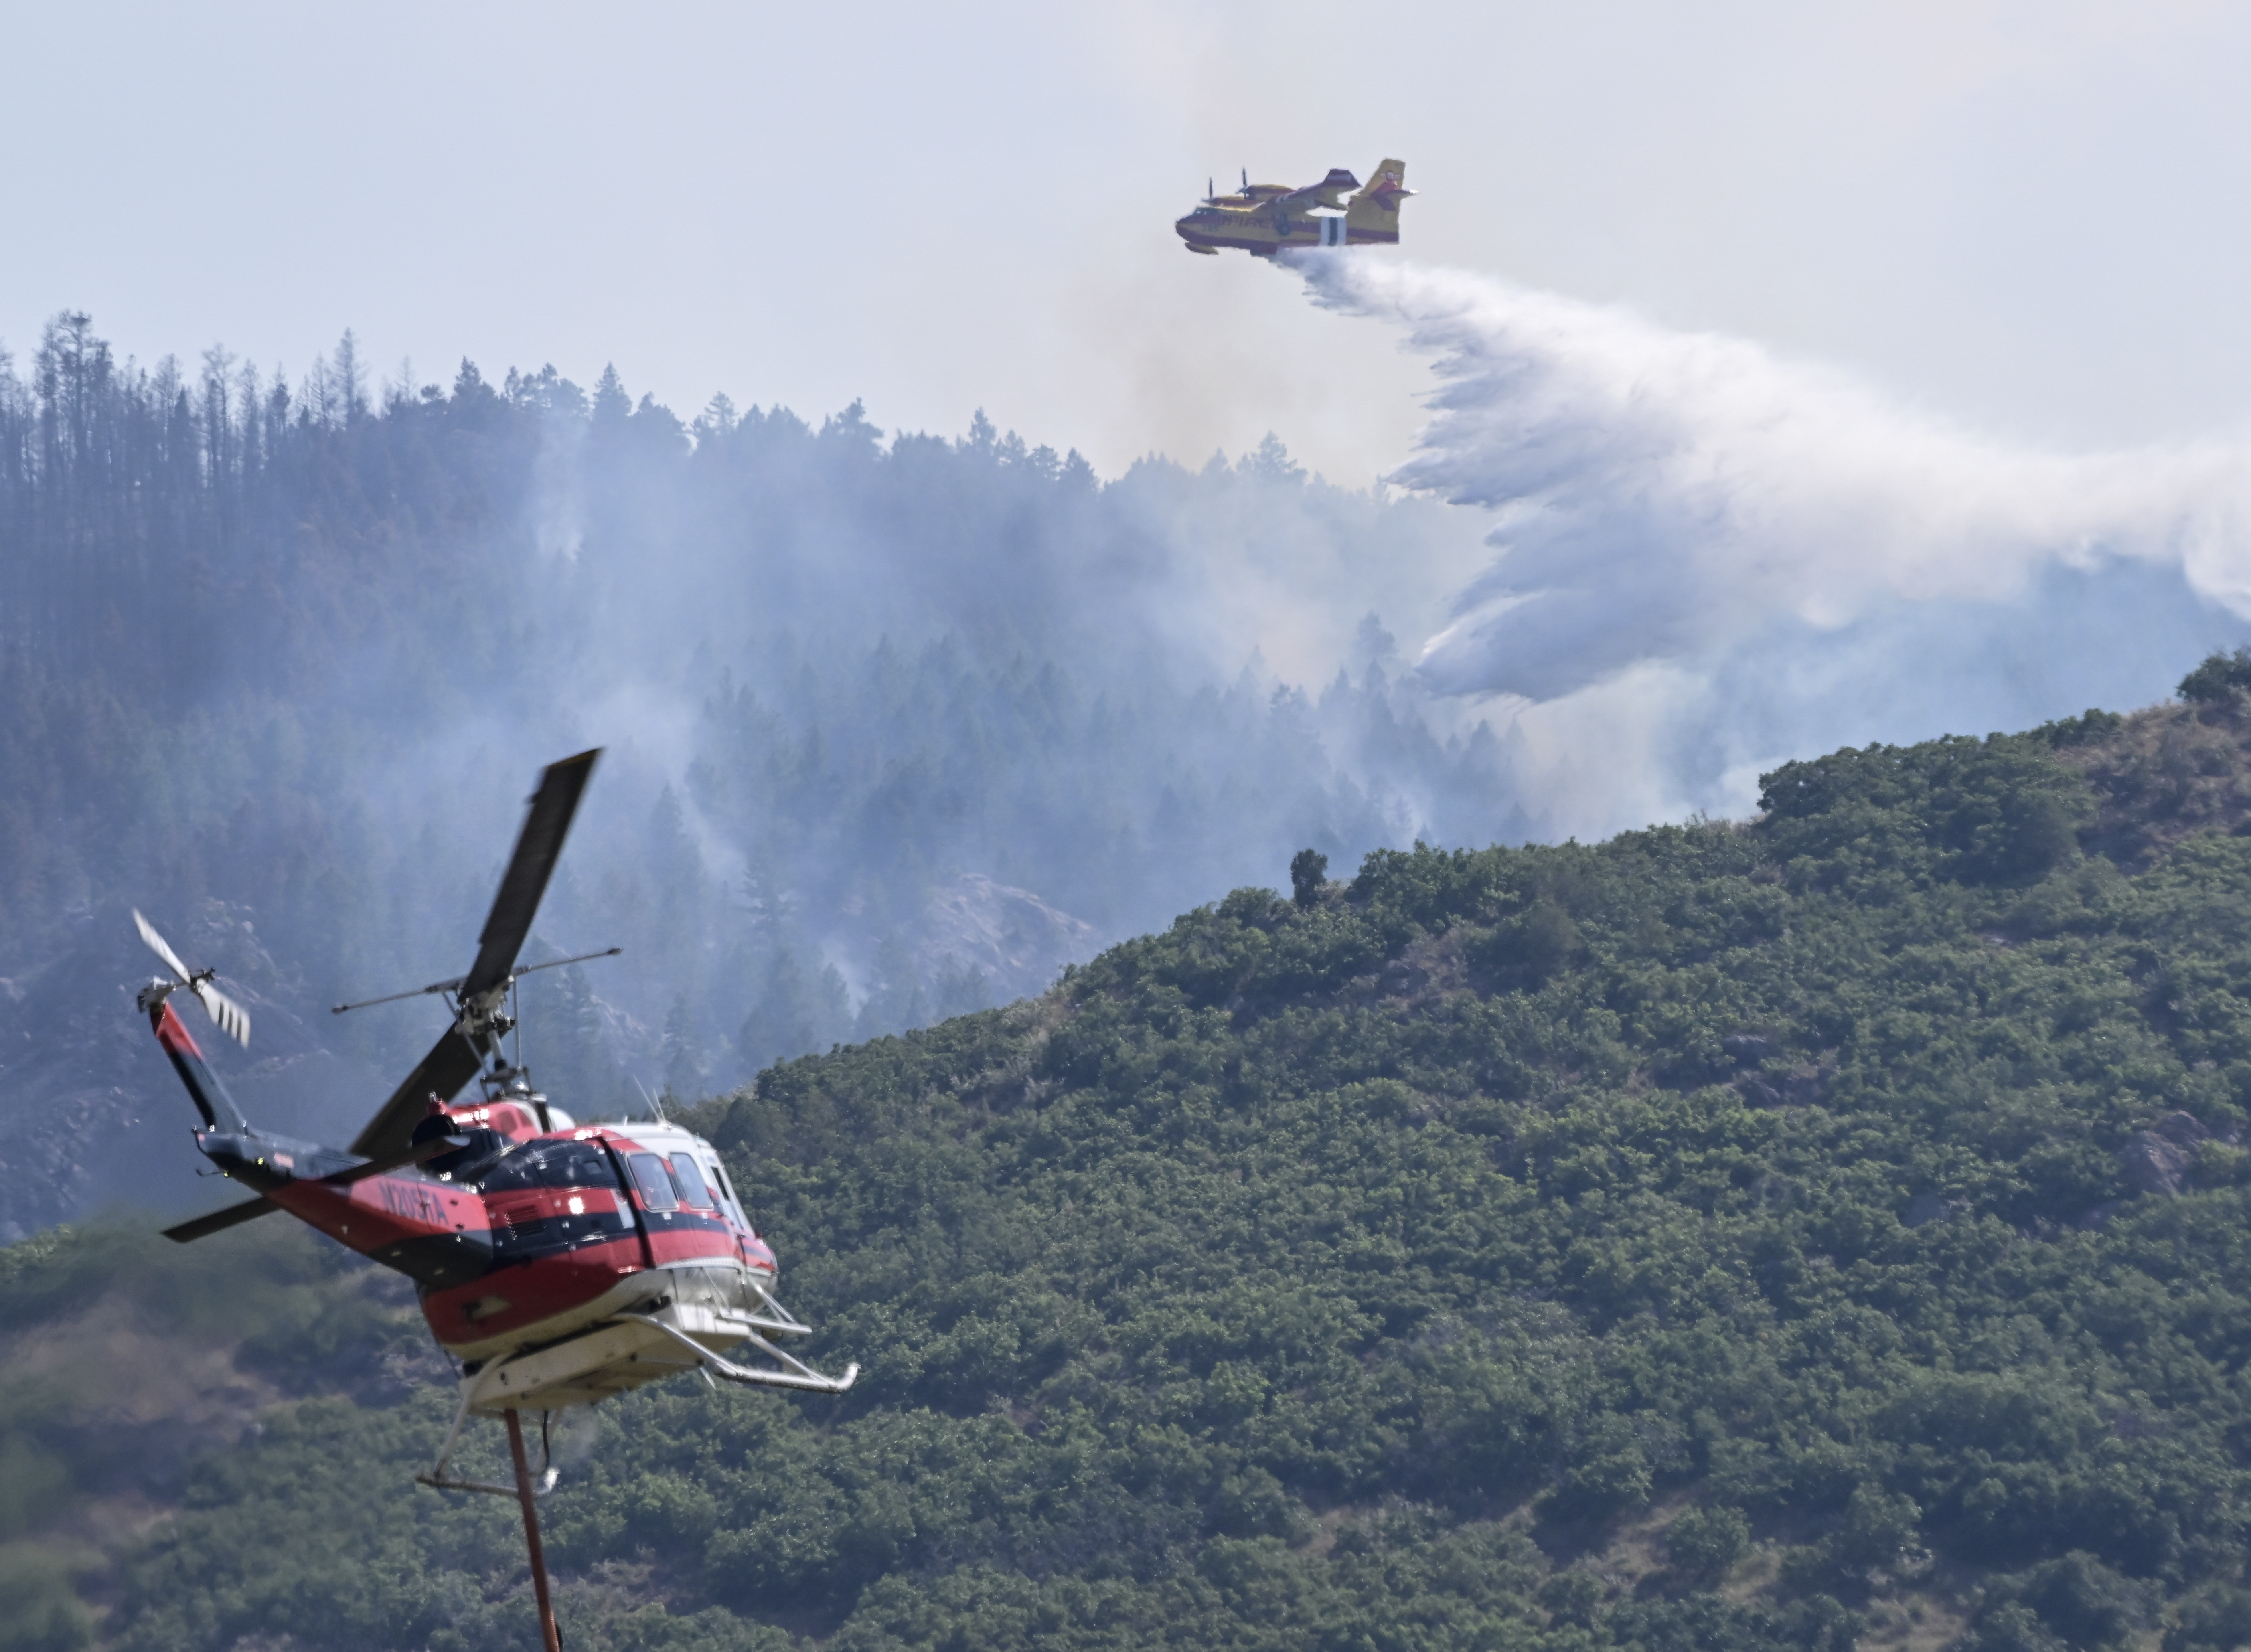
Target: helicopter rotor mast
[[479, 996]]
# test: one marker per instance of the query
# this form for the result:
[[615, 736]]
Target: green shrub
[[1703, 1544], [39, 1608], [2219, 677]]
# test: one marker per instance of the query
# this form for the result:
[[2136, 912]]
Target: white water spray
[[1716, 557]]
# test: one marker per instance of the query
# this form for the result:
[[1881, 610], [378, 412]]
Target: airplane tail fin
[[1373, 214]]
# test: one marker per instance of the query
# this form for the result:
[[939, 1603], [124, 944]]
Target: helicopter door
[[654, 1178], [652, 1200], [699, 1195], [689, 1180]]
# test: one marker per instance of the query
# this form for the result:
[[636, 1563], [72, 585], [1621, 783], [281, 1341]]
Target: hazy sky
[[2031, 217]]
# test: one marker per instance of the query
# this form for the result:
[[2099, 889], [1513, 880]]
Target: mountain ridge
[[1818, 1231]]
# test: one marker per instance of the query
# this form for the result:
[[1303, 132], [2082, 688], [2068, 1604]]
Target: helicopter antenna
[[654, 1105]]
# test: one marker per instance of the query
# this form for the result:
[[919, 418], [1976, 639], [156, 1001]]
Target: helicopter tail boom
[[431, 1231], [205, 1088]]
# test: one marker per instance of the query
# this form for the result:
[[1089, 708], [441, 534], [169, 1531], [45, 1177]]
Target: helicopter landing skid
[[484, 1394], [799, 1375]]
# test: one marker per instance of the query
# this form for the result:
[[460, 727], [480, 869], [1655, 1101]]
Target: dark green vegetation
[[1723, 1237]]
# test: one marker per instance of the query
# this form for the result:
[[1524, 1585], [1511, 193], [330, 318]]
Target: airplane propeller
[[224, 1010]]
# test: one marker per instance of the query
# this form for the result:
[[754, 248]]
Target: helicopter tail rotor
[[230, 1017]]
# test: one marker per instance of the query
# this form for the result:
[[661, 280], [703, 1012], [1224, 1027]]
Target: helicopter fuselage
[[556, 1263]]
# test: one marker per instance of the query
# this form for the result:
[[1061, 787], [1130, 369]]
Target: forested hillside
[[1821, 1230], [897, 725]]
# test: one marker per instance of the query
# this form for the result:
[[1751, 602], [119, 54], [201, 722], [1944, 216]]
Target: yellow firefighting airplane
[[1265, 217]]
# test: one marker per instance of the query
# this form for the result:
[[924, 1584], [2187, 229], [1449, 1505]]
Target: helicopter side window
[[727, 1193], [655, 1181], [692, 1191]]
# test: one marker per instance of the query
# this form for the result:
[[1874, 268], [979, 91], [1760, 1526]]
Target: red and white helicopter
[[556, 1264]]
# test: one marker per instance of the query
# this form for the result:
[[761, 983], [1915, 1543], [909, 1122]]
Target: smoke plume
[[1716, 557]]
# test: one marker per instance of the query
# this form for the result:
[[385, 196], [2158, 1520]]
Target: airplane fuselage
[[1263, 232], [1266, 219]]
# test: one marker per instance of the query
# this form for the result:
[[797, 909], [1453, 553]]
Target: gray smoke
[[899, 725]]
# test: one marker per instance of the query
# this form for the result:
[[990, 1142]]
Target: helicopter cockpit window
[[692, 1191], [553, 1164], [654, 1182], [719, 1180]]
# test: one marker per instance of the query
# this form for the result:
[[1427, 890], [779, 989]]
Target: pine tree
[[684, 1070]]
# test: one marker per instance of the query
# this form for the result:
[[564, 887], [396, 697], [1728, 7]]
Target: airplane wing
[[1329, 192]]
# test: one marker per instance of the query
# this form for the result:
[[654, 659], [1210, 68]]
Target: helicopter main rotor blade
[[525, 881], [220, 1220], [415, 1155], [451, 1062], [156, 944]]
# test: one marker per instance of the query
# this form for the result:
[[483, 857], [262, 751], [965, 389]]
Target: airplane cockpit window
[[654, 1180], [692, 1191], [553, 1164]]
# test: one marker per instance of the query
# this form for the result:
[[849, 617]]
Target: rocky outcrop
[[2158, 1160], [1011, 937]]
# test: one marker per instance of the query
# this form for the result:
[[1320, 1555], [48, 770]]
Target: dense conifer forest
[[1823, 1230], [897, 725]]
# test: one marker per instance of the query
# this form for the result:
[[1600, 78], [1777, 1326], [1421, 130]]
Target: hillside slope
[[1822, 1230]]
